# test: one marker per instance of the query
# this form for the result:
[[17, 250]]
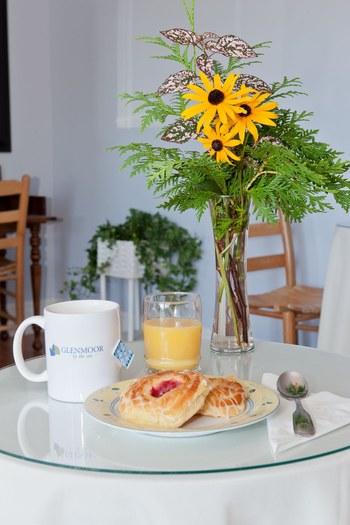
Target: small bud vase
[[231, 331]]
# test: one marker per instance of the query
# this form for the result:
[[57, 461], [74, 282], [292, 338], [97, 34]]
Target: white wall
[[70, 58], [31, 110]]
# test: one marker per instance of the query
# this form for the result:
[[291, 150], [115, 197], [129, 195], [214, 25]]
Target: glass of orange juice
[[172, 331]]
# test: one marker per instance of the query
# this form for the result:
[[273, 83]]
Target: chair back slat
[[7, 217], [11, 187], [266, 262], [261, 229], [6, 243], [272, 261]]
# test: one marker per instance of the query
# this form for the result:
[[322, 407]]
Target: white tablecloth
[[334, 332], [314, 492]]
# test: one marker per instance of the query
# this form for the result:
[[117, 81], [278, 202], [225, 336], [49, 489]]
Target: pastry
[[165, 399], [226, 398]]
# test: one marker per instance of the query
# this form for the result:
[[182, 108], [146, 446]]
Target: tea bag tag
[[123, 354]]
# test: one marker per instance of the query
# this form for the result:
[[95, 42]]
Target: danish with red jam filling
[[165, 399]]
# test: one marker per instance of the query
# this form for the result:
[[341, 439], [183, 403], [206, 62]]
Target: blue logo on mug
[[54, 350]]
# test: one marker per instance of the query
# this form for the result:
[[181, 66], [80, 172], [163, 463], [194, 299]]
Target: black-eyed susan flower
[[217, 98], [219, 141], [255, 111]]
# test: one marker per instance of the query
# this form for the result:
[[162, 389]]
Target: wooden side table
[[34, 223]]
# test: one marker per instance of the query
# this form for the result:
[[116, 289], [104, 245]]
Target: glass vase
[[231, 331]]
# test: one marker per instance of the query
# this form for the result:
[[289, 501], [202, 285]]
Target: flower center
[[215, 97], [217, 145], [247, 109]]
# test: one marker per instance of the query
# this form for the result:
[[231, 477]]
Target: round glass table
[[67, 466], [44, 430]]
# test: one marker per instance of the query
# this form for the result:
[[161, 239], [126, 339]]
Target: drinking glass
[[172, 330]]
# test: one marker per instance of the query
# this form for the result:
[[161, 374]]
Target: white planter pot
[[123, 264], [122, 259]]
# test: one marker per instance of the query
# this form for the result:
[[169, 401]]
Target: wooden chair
[[294, 304], [14, 195]]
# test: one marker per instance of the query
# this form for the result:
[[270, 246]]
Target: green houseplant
[[259, 156], [167, 251]]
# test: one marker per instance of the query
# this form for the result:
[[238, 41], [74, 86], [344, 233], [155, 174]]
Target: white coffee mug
[[80, 337]]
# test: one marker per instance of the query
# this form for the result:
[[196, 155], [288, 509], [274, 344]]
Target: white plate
[[262, 402]]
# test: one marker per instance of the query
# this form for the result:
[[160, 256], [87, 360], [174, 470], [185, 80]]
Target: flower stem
[[226, 286], [230, 223]]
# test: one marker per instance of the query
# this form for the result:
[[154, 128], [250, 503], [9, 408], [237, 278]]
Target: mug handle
[[17, 350]]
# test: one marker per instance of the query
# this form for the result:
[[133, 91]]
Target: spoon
[[292, 385]]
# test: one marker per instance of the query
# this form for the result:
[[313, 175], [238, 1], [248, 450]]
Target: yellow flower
[[219, 140], [255, 111], [217, 98]]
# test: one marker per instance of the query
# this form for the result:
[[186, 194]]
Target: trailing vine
[[167, 251]]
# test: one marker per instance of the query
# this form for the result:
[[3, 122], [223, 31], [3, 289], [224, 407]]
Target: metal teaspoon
[[292, 385]]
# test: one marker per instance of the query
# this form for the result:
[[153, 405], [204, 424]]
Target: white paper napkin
[[328, 411]]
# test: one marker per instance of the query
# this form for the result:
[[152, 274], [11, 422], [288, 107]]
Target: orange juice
[[172, 343]]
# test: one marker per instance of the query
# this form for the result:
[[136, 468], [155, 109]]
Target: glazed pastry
[[165, 399], [226, 398]]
